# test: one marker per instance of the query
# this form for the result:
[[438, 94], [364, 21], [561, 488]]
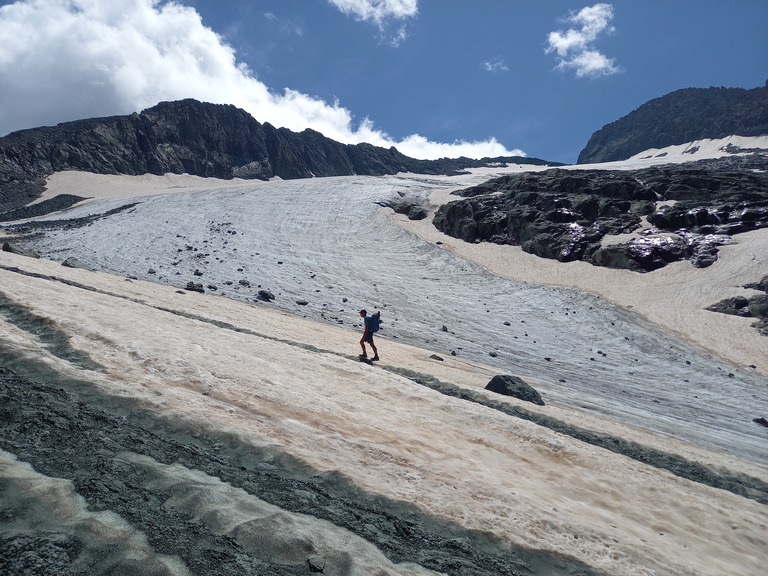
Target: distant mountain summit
[[680, 117], [197, 138]]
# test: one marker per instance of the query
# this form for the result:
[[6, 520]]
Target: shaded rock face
[[748, 307], [201, 139], [513, 386], [566, 215], [679, 117]]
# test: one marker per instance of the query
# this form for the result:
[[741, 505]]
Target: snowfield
[[281, 376], [328, 243]]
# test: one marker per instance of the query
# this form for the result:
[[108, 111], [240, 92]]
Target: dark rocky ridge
[[202, 139], [565, 215], [679, 117]]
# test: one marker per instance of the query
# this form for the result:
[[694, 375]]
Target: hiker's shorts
[[368, 338]]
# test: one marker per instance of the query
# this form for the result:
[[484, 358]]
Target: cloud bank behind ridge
[[63, 60]]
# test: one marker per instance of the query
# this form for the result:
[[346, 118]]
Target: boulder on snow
[[513, 386], [73, 262], [14, 249]]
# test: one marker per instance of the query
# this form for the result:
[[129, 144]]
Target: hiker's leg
[[362, 345], [373, 346]]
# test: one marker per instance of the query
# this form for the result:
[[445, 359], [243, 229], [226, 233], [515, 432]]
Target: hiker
[[371, 325]]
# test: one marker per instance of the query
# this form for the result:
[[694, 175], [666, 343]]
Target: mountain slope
[[201, 139], [678, 117]]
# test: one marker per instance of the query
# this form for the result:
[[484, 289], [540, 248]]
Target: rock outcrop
[[567, 215], [748, 307], [59, 202], [679, 117], [202, 139]]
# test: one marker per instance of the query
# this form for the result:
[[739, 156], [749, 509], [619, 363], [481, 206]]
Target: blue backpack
[[373, 323]]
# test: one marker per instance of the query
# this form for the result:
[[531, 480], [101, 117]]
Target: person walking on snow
[[371, 325]]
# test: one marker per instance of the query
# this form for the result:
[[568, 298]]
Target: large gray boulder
[[513, 386], [15, 249], [73, 262]]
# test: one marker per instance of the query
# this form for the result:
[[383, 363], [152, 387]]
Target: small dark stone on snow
[[197, 272], [302, 302], [436, 357], [266, 295], [194, 287], [493, 354], [761, 421]]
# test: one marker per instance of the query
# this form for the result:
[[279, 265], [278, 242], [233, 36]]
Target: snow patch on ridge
[[705, 149]]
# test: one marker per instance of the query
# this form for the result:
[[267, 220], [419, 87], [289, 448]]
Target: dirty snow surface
[[327, 242], [415, 431]]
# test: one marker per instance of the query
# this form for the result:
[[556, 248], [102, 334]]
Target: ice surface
[[328, 243]]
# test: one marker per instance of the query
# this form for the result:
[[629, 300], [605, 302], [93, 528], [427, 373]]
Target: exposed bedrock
[[567, 215], [748, 306]]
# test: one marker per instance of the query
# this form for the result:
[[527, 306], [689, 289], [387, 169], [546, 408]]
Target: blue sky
[[432, 77]]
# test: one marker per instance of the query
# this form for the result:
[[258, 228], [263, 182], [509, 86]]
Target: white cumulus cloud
[[574, 47], [382, 12], [378, 10], [63, 60]]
